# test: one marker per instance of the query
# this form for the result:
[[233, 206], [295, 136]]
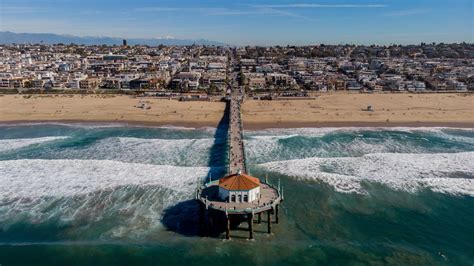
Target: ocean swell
[[13, 144], [120, 199], [450, 173]]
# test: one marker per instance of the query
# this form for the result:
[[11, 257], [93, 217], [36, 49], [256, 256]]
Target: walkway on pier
[[236, 149]]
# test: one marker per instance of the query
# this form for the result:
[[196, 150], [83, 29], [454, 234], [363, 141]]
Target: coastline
[[251, 126]]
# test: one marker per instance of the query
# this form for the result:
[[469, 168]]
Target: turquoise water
[[118, 195]]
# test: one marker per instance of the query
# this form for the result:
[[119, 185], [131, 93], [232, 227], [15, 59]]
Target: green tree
[[212, 89], [28, 84]]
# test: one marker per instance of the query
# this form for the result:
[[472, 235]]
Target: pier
[[238, 196], [236, 148]]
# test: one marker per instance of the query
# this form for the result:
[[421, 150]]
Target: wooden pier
[[236, 148], [269, 196]]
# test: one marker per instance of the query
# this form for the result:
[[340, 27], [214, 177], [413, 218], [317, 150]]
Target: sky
[[252, 22]]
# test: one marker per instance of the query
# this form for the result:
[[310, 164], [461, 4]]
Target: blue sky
[[249, 22]]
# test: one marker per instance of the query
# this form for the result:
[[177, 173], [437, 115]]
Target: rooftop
[[239, 181]]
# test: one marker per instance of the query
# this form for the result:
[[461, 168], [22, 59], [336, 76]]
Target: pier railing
[[241, 125], [257, 209], [236, 153]]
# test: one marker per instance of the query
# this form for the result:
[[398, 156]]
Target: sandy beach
[[350, 109], [101, 108], [327, 110]]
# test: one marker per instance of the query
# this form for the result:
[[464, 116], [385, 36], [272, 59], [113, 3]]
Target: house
[[419, 86], [37, 83], [353, 85], [17, 82], [456, 85], [257, 82], [89, 83], [239, 188], [139, 84], [189, 80], [5, 80], [218, 79]]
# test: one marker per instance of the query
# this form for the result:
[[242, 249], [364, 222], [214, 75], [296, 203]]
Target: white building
[[239, 188]]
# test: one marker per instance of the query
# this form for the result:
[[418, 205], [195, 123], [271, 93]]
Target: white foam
[[296, 131], [178, 152], [13, 144], [440, 172], [118, 199], [258, 147], [459, 138], [277, 137], [65, 178], [192, 152], [268, 145], [270, 148], [315, 132]]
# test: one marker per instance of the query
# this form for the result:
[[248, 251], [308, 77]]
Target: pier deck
[[270, 197], [236, 149]]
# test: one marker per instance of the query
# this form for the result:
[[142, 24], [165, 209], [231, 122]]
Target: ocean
[[110, 194]]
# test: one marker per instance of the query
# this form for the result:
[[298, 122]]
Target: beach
[[327, 110], [112, 108]]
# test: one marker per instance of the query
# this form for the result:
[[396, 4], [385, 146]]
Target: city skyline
[[249, 23]]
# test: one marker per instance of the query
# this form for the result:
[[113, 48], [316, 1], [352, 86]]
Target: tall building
[[124, 42]]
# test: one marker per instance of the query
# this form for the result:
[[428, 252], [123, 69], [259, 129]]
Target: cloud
[[204, 10], [168, 37], [217, 11], [90, 12], [409, 12], [323, 6], [20, 10], [158, 9]]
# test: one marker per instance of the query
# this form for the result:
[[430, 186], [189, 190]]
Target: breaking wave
[[315, 132], [450, 173], [121, 199], [178, 152], [269, 145], [13, 144]]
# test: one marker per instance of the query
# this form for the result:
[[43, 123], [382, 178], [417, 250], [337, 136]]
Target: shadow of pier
[[183, 218], [218, 158]]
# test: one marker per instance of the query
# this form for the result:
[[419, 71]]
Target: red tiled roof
[[239, 182]]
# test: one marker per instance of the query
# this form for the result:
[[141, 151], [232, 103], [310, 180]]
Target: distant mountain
[[7, 37]]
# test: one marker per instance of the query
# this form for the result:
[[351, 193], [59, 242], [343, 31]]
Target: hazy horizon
[[135, 41]]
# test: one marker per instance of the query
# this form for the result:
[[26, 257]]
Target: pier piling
[[276, 214], [269, 221], [227, 228], [250, 220], [202, 220]]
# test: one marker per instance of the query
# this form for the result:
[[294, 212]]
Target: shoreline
[[250, 126]]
